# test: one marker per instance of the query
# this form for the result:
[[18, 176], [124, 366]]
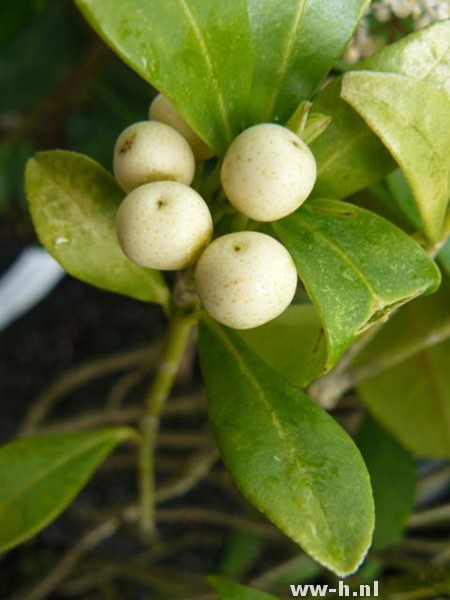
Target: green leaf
[[403, 375], [392, 474], [419, 140], [42, 475], [444, 256], [73, 203], [293, 344], [422, 323], [228, 590], [289, 63], [348, 154], [401, 197], [197, 54], [241, 554], [412, 400], [423, 55], [286, 454], [315, 126], [306, 126], [356, 267]]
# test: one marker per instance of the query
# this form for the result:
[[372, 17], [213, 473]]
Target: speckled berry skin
[[150, 151], [163, 225], [162, 110], [245, 279], [268, 172]]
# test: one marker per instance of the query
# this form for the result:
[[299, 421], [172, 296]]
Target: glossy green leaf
[[419, 140], [391, 470], [293, 344], [289, 63], [403, 375], [356, 267], [42, 475], [73, 203], [198, 54], [286, 454], [349, 155]]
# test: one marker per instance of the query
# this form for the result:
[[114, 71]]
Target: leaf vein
[[43, 474], [388, 108], [273, 416], [378, 302], [210, 65], [437, 62], [286, 57]]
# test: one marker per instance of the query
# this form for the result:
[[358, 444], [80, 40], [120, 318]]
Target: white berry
[[162, 110], [245, 279], [164, 225], [268, 172], [150, 151]]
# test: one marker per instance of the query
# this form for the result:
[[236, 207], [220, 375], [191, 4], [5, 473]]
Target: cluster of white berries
[[245, 278]]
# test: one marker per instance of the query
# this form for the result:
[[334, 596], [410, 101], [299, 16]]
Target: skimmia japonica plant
[[305, 219]]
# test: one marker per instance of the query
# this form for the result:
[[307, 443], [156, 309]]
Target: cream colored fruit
[[150, 151], [162, 110], [268, 172], [163, 225], [245, 279]]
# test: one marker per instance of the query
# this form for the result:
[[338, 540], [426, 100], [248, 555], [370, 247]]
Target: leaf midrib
[[368, 133], [71, 199], [210, 67], [388, 108], [272, 415], [289, 45], [425, 77], [54, 467], [378, 303]]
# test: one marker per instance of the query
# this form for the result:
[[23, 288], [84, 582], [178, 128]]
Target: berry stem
[[182, 320]]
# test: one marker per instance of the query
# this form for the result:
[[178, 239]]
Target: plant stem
[[178, 335], [329, 389], [79, 376]]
